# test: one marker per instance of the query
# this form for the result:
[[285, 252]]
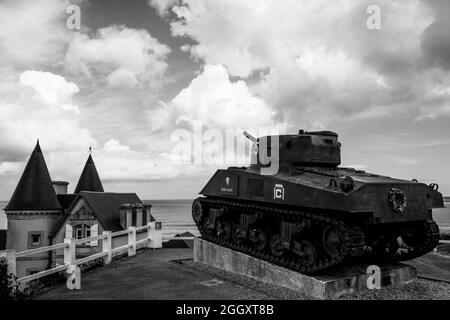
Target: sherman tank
[[311, 214]]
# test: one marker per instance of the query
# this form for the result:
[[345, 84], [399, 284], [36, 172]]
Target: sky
[[137, 73]]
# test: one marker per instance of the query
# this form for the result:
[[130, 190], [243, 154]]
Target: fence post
[[131, 241], [10, 257], [107, 246], [156, 235], [69, 252], [149, 240]]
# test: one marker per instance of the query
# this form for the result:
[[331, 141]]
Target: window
[[35, 239], [82, 231], [31, 271], [79, 232]]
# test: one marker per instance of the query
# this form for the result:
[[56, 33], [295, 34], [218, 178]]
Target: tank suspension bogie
[[259, 237], [306, 240], [224, 229], [287, 237], [332, 241]]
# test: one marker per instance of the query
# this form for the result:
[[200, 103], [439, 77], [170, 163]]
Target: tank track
[[353, 244], [430, 239]]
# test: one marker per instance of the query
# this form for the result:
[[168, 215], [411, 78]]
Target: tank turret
[[313, 149]]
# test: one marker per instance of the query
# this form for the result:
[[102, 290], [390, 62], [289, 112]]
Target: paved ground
[[434, 266], [154, 275]]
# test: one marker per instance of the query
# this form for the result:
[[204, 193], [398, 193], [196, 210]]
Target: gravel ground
[[420, 289], [444, 250], [445, 233], [271, 291], [417, 289]]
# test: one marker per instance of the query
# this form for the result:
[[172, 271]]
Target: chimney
[[133, 215], [147, 214], [125, 215], [138, 215], [60, 187]]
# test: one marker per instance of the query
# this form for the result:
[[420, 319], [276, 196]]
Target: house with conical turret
[[41, 213], [89, 179], [32, 212]]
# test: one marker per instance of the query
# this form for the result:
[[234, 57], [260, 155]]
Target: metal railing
[[153, 239]]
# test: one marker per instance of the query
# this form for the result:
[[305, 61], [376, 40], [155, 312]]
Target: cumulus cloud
[[33, 31], [310, 64], [119, 163], [72, 108], [35, 103], [118, 55], [316, 62], [38, 106], [246, 38], [50, 87], [217, 102], [206, 120], [112, 145], [162, 6], [436, 38]]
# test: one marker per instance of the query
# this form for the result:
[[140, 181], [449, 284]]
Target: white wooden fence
[[153, 239]]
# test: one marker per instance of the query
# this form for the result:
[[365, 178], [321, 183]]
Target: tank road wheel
[[310, 253], [306, 252], [259, 238], [197, 211], [276, 245], [332, 241], [205, 226], [225, 230], [236, 234]]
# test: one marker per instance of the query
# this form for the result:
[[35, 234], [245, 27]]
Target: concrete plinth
[[327, 284]]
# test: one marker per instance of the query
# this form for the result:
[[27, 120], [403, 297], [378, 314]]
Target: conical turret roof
[[89, 180], [35, 189]]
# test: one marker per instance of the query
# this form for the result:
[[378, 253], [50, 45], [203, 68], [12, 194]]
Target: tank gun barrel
[[250, 137]]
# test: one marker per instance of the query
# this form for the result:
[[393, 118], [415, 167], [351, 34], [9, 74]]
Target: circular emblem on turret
[[397, 200]]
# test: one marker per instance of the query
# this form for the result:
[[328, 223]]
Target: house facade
[[41, 213], [92, 213]]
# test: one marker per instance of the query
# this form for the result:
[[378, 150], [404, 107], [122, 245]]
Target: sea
[[176, 218]]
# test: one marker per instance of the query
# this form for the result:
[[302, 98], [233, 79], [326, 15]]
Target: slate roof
[[105, 206], [89, 179], [35, 189], [66, 200]]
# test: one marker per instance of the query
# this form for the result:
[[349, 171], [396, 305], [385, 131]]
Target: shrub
[[9, 288]]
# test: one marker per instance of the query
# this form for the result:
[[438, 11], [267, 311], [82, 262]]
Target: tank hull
[[310, 218], [368, 202]]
